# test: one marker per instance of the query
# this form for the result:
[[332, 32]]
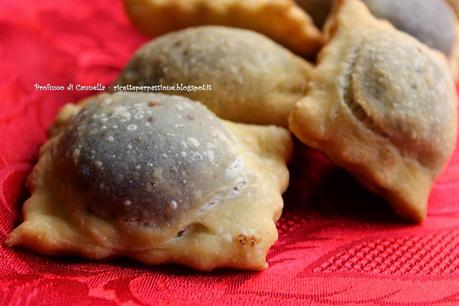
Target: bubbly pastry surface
[[128, 153], [383, 106], [157, 178], [281, 20], [253, 80]]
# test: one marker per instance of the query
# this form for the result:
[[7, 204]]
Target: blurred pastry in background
[[382, 105], [253, 79], [433, 22], [281, 20]]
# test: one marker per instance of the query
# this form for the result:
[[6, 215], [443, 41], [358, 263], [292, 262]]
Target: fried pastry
[[454, 57], [281, 20], [159, 179], [383, 106], [455, 5], [432, 22], [253, 80]]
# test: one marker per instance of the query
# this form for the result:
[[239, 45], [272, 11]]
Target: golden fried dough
[[281, 20], [159, 179], [383, 106], [432, 22], [253, 79]]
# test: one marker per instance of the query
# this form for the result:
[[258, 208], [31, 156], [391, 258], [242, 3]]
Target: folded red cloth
[[338, 244]]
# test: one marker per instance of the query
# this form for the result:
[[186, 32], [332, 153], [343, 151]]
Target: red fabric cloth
[[338, 243]]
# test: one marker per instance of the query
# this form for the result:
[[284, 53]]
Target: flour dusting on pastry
[[157, 178], [382, 105], [253, 79], [147, 160]]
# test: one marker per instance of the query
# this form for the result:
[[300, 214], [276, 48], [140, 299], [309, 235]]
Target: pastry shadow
[[169, 269], [68, 264], [320, 188]]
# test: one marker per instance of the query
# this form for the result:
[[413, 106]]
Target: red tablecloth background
[[338, 244]]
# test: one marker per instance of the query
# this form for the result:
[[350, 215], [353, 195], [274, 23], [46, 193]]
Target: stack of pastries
[[196, 177]]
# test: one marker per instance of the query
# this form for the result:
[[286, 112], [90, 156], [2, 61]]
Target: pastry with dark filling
[[383, 106], [252, 79], [157, 178], [433, 22]]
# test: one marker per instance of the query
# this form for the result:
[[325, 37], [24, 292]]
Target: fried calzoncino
[[383, 106], [281, 20], [253, 80], [431, 22], [157, 178]]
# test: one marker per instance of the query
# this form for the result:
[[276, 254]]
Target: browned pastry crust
[[383, 106], [455, 5], [252, 79], [281, 20], [159, 179], [317, 9]]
